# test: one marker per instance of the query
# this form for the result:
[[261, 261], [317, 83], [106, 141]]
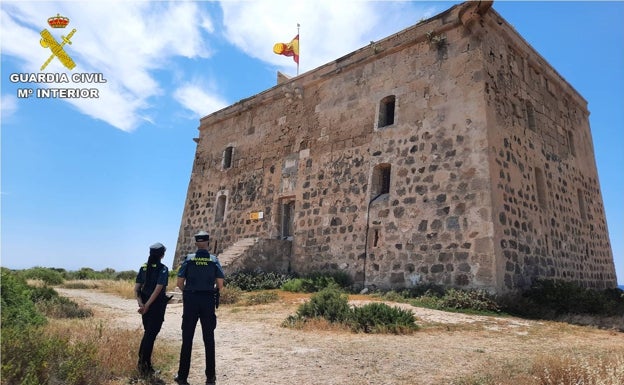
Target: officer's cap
[[202, 236], [157, 246], [157, 250]]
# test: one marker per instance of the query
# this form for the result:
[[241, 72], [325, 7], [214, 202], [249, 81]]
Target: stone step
[[234, 251]]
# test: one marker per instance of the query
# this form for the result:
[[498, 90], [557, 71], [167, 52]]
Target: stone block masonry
[[448, 153]]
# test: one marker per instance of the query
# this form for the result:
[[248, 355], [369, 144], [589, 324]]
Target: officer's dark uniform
[[200, 273], [155, 316]]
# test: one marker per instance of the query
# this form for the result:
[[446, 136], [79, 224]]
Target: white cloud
[[195, 98], [9, 106], [127, 51], [329, 29], [141, 42]]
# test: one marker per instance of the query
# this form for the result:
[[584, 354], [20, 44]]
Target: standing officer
[[202, 247], [200, 278], [150, 289]]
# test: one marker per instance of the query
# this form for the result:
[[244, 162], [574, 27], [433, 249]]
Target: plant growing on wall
[[436, 40]]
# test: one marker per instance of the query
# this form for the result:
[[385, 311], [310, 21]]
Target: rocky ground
[[253, 348]]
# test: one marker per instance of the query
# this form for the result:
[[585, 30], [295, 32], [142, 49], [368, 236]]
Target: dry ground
[[252, 347]]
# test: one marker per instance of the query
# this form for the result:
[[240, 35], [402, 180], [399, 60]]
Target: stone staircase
[[235, 251]]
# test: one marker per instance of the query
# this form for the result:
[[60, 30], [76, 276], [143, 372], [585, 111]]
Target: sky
[[92, 182]]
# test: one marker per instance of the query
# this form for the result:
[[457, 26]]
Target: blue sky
[[94, 182]]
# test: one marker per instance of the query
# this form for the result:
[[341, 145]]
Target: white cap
[[202, 236]]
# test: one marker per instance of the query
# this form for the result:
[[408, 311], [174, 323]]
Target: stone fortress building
[[449, 153]]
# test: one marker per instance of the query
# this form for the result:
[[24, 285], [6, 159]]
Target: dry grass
[[115, 346], [571, 368], [35, 282], [319, 325], [116, 349], [547, 353], [567, 368], [121, 288], [82, 284]]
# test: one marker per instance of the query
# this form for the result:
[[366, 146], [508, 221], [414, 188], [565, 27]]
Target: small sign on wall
[[256, 215]]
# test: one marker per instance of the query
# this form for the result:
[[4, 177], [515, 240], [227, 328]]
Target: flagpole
[[299, 49]]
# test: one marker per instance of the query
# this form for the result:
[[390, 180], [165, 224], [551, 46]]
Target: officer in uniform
[[200, 278], [202, 247], [151, 288]]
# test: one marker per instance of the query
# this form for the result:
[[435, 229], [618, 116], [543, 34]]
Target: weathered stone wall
[[462, 206], [548, 207]]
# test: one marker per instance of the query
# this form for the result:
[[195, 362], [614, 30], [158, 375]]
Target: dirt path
[[253, 348]]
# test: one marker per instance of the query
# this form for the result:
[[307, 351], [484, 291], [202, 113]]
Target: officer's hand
[[140, 309]]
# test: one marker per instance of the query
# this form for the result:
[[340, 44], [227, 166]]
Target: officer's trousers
[[198, 305], [152, 322]]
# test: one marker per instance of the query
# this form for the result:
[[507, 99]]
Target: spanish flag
[[288, 49]]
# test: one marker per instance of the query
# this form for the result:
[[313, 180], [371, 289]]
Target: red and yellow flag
[[288, 49]]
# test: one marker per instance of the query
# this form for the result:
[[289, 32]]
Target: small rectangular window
[[541, 187], [531, 117], [380, 180], [386, 111], [227, 157], [581, 202], [286, 218], [220, 211], [571, 143]]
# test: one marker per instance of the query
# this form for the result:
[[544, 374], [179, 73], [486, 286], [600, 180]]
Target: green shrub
[[394, 296], [424, 295], [424, 289], [326, 279], [317, 281], [62, 307], [257, 280], [17, 308], [563, 297], [330, 303], [427, 301], [294, 322], [40, 294], [380, 318], [128, 275], [84, 273], [549, 298], [89, 273], [82, 366], [47, 301], [299, 285], [47, 275], [31, 356], [258, 298], [230, 295], [477, 300]]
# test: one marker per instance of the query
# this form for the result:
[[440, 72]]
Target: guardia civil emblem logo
[[56, 48]]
